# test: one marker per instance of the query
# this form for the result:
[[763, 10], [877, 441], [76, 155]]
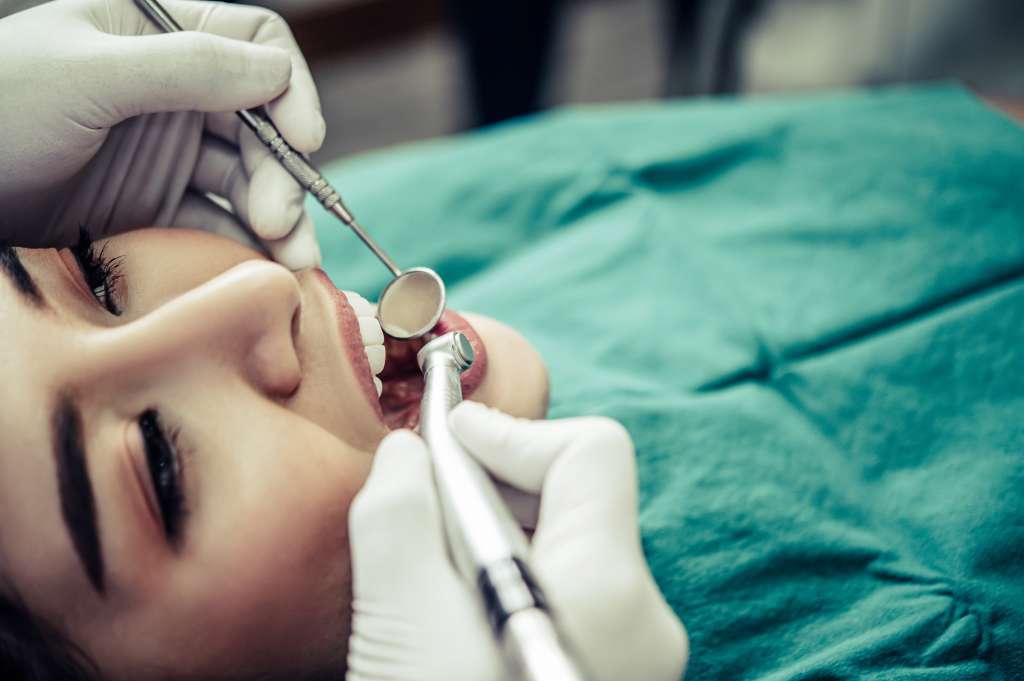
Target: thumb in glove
[[586, 550], [414, 618]]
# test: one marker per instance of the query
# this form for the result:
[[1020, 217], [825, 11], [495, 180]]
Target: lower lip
[[348, 329]]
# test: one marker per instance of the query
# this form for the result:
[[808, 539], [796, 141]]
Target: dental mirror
[[411, 304]]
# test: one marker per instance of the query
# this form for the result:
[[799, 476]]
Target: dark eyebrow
[[77, 504], [11, 265]]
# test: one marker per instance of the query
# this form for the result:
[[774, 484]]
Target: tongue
[[403, 384], [400, 401]]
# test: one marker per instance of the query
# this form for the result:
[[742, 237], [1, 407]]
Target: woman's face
[[175, 478]]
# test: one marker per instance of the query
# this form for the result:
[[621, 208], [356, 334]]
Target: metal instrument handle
[[295, 163], [537, 653], [487, 545]]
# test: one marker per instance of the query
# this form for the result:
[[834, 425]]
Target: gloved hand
[[83, 142], [415, 618]]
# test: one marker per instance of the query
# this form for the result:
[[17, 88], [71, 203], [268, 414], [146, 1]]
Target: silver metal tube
[[487, 544], [534, 649], [159, 16], [345, 216], [294, 162], [482, 531]]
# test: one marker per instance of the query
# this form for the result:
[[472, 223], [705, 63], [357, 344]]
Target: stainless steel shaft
[[295, 163], [487, 544]]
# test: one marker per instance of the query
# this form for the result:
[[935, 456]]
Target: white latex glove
[[82, 141], [415, 619]]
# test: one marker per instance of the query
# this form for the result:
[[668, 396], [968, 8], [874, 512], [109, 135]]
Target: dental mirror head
[[411, 304]]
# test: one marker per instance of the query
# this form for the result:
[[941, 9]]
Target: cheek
[[267, 583], [284, 555], [288, 594]]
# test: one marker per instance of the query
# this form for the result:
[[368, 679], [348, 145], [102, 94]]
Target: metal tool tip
[[453, 345]]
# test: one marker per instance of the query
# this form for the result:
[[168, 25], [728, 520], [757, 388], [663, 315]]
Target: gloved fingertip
[[279, 213], [274, 65], [400, 477], [395, 518], [321, 133], [469, 407], [316, 259], [471, 418], [310, 137], [487, 434], [400, 443], [299, 250]]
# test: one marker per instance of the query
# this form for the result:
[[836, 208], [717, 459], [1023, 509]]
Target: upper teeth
[[372, 335]]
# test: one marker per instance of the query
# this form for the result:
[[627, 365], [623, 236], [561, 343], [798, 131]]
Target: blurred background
[[393, 71]]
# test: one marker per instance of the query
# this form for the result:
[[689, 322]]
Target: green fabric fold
[[808, 311]]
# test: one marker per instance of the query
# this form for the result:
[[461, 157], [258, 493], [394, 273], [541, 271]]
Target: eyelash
[[100, 273], [162, 457], [165, 472]]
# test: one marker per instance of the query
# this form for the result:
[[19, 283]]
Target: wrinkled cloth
[[809, 313]]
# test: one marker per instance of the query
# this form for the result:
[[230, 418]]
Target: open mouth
[[397, 399], [403, 381]]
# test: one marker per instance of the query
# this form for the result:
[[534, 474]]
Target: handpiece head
[[453, 346]]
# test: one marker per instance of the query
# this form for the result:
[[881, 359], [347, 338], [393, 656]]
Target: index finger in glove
[[219, 172], [274, 202], [276, 199], [586, 552], [275, 207], [299, 249], [296, 112], [395, 522], [582, 463]]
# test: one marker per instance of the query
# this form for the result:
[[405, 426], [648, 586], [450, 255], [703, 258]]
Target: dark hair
[[31, 650]]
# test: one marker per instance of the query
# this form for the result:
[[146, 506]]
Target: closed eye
[[165, 472], [100, 273]]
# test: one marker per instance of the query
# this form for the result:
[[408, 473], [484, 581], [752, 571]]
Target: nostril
[[267, 302]]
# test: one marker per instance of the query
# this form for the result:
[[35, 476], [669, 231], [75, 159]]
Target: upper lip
[[348, 332]]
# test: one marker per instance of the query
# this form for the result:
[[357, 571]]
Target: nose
[[245, 318]]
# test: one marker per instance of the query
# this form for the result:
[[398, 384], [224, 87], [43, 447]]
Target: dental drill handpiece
[[294, 162], [487, 543]]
